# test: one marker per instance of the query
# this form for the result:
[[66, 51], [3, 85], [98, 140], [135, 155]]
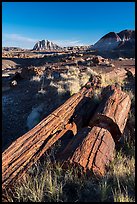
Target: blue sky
[[64, 23]]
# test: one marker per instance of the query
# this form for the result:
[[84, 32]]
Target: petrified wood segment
[[112, 112], [95, 151], [27, 149], [93, 147]]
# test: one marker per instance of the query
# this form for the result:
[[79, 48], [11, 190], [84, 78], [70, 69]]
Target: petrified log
[[112, 112], [93, 147], [27, 149]]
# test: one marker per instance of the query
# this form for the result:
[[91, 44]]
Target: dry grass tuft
[[108, 80]]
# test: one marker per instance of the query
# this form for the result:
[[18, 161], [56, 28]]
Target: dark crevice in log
[[65, 139], [73, 144], [91, 151], [84, 112], [93, 163], [103, 121]]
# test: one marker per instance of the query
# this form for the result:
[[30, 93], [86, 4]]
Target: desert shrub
[[72, 81], [108, 80]]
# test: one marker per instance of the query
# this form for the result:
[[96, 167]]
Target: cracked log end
[[92, 152]]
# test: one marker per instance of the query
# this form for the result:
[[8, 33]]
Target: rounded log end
[[107, 123]]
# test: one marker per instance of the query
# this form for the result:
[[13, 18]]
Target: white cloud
[[16, 40], [19, 37], [65, 43]]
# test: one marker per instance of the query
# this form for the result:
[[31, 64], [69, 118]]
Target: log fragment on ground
[[94, 153], [27, 149], [112, 112], [116, 72]]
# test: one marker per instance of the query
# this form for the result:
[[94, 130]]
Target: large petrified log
[[27, 149], [93, 147], [112, 112]]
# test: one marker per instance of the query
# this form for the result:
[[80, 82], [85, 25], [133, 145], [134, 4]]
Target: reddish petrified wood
[[93, 148], [27, 149], [112, 112], [73, 144]]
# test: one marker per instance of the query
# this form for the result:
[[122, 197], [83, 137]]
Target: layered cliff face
[[45, 45], [127, 40], [116, 41]]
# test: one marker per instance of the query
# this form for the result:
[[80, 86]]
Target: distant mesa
[[123, 40], [46, 45]]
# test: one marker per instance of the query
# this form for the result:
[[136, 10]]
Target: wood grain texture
[[93, 146], [27, 149]]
